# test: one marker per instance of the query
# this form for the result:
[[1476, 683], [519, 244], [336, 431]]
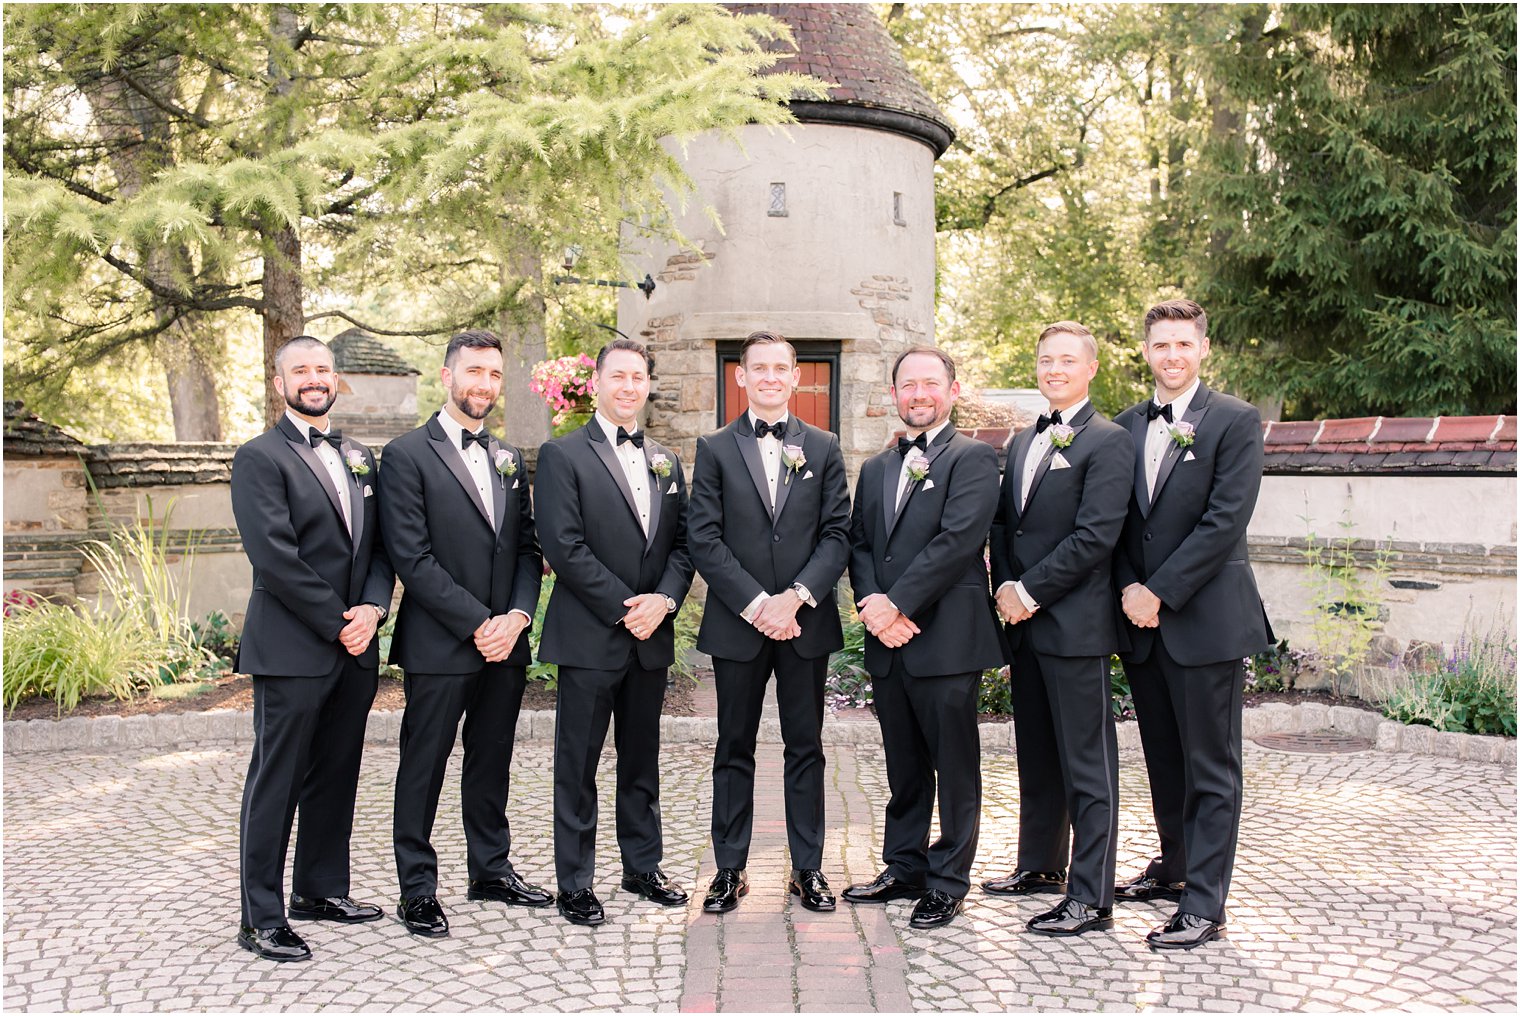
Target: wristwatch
[[670, 605], [383, 612]]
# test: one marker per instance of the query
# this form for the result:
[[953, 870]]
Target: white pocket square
[[808, 475], [368, 491], [672, 489], [516, 484], [928, 484], [1189, 457], [1058, 461]]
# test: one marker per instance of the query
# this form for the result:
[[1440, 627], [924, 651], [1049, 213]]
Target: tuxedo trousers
[[799, 703], [1190, 729], [488, 700], [1068, 759], [631, 698], [928, 731], [308, 736]]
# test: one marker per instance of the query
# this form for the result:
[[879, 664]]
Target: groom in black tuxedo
[[612, 517], [459, 524], [302, 496], [917, 535], [1185, 578], [1064, 496], [769, 529]]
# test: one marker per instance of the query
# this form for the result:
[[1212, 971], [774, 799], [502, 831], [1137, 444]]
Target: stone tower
[[828, 238]]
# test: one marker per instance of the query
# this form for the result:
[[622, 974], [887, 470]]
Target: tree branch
[[372, 329], [175, 298]]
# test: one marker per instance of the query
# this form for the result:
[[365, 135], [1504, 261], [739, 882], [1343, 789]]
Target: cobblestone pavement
[[1369, 881]]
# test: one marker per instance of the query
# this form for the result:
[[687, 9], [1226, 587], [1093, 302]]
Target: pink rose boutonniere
[[918, 466], [354, 459], [1061, 435], [792, 457], [1182, 433], [659, 464], [506, 462]]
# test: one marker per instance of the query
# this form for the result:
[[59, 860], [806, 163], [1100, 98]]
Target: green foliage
[[995, 694], [1346, 597], [1274, 670], [1471, 690], [1118, 687]]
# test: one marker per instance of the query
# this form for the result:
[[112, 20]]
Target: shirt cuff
[[748, 613], [524, 613], [1018, 587], [802, 592]]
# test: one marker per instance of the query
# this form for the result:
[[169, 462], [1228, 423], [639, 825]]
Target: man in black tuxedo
[[917, 536], [769, 529], [1065, 491], [1187, 589], [612, 517], [302, 496], [459, 524]]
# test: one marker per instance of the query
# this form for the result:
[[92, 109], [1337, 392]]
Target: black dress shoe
[[331, 908], [937, 909], [423, 915], [581, 907], [1072, 917], [1022, 882], [809, 885], [1183, 931], [510, 888], [1143, 887], [883, 888], [656, 888], [723, 895], [279, 944]]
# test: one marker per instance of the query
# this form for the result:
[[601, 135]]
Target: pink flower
[[792, 457], [506, 465], [1182, 433], [659, 464], [1061, 435]]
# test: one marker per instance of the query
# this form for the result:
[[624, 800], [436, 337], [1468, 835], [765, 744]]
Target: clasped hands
[[1010, 606], [363, 621], [646, 612], [1141, 606], [890, 625], [776, 617], [498, 634]]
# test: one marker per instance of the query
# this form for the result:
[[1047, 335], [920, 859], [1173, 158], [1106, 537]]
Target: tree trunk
[[525, 418], [284, 317]]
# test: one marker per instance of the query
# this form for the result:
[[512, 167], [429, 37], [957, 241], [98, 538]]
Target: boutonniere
[[659, 464], [1182, 433], [506, 462], [354, 459], [1061, 435], [792, 456], [918, 466]]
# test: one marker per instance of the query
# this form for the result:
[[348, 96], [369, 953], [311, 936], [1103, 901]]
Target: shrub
[[1471, 690]]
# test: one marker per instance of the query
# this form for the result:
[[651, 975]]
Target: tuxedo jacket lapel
[[749, 450], [1139, 427], [1078, 424], [302, 447], [499, 488], [355, 498], [1015, 463], [1174, 451], [656, 489], [785, 477], [450, 457], [605, 451], [941, 442], [891, 473]]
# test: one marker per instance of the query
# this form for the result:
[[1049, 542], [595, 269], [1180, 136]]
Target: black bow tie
[[1047, 421], [904, 446], [637, 439], [1152, 411], [777, 429], [480, 437], [333, 437]]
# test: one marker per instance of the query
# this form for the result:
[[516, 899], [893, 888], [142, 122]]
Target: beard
[[293, 400], [460, 396]]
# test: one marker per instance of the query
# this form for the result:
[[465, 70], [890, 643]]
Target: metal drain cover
[[1314, 742]]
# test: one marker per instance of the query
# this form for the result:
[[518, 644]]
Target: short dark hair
[[632, 346], [766, 339], [1176, 310], [478, 338], [297, 342], [933, 351]]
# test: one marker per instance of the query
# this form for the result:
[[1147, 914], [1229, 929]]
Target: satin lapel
[[499, 488], [605, 452], [454, 462], [749, 451], [1015, 464], [1078, 425], [303, 448], [1174, 451], [784, 480], [657, 487], [355, 497], [940, 444], [1139, 425], [891, 473]]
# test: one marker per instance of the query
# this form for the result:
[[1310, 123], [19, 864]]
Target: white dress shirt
[[635, 468], [770, 456], [1158, 436], [475, 459], [336, 468], [902, 476], [1037, 449]]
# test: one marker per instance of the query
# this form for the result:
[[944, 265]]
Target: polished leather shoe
[[882, 888], [1143, 887], [279, 944], [723, 895], [581, 907], [1072, 917], [937, 909], [331, 908], [1183, 931], [510, 888], [656, 888], [423, 915], [809, 885], [1022, 883]]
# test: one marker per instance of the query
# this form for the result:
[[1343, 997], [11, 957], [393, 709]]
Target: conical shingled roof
[[356, 351], [846, 45], [27, 434]]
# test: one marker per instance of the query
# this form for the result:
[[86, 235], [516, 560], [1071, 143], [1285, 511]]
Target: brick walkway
[[1364, 882]]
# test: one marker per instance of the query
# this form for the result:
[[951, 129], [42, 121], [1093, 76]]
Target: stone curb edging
[[170, 730]]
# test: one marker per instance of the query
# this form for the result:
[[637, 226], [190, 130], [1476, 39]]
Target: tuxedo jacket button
[[1018, 532], [1147, 536], [888, 559], [776, 538]]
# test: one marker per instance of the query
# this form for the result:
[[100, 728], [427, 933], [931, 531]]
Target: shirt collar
[[1068, 412], [1181, 403], [754, 421], [451, 427], [610, 429], [930, 435], [303, 428]]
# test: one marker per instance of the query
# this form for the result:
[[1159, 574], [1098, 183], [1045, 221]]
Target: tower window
[[778, 200], [897, 209]]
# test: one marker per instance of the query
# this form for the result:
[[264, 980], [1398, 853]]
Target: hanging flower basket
[[567, 384]]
